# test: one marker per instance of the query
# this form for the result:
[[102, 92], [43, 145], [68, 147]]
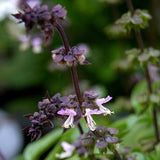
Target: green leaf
[[139, 156], [35, 149], [138, 96], [75, 157], [20, 157], [137, 132]]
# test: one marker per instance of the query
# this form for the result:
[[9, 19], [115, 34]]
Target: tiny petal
[[68, 148], [57, 58], [103, 100], [69, 58], [67, 112], [69, 122], [81, 59], [95, 111], [105, 110], [90, 122]]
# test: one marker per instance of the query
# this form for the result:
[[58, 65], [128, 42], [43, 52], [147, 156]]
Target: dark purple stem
[[76, 84], [73, 69], [149, 82], [63, 36], [117, 155]]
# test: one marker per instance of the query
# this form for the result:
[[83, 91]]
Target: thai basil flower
[[69, 122], [90, 122], [68, 148], [74, 55], [41, 17], [103, 109], [59, 12]]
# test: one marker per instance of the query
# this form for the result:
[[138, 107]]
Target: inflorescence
[[68, 109], [106, 139]]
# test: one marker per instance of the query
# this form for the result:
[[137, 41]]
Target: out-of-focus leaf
[[23, 70], [20, 157], [115, 31], [75, 157], [35, 149], [137, 133], [139, 156], [139, 88]]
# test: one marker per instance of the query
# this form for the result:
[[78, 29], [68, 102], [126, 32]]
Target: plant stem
[[76, 84], [63, 36], [117, 155], [149, 82], [153, 31], [154, 112], [73, 69]]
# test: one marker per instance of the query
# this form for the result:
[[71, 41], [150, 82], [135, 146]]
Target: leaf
[[137, 133], [139, 156], [75, 157], [140, 88], [20, 157], [35, 149]]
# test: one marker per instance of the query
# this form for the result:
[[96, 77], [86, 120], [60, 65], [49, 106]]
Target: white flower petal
[[105, 110], [69, 122], [68, 148], [63, 155], [91, 123]]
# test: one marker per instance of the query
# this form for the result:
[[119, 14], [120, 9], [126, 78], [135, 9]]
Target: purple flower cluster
[[68, 110], [41, 16], [90, 105], [47, 112], [103, 139], [74, 56]]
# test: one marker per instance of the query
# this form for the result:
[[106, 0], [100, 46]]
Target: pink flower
[[90, 122], [103, 109], [69, 122], [68, 148]]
